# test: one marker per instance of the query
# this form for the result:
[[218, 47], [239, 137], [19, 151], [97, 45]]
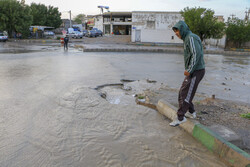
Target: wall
[[246, 45], [99, 22], [217, 42], [155, 27]]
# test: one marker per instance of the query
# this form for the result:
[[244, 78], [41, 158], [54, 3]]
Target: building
[[143, 26], [117, 23], [90, 21], [154, 27], [220, 18]]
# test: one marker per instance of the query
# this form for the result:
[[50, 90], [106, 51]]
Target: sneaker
[[177, 122], [189, 115]]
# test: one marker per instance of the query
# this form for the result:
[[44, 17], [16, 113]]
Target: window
[[106, 19], [150, 24], [117, 19], [107, 29]]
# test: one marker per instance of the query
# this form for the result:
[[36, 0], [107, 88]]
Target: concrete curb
[[226, 52], [229, 153], [161, 50], [240, 50], [131, 50], [35, 41]]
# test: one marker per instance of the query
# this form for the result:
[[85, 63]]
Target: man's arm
[[195, 51]]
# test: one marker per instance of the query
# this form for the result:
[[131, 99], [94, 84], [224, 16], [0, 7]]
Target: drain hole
[[116, 93], [127, 93], [110, 85]]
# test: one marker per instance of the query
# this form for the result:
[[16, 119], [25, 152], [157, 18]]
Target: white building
[[117, 23], [98, 22], [154, 27]]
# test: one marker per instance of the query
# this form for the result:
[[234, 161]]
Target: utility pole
[[70, 23], [246, 18], [248, 14]]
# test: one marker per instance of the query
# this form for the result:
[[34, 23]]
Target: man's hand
[[186, 73]]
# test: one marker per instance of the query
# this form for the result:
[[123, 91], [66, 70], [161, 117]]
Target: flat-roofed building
[[154, 27], [117, 23]]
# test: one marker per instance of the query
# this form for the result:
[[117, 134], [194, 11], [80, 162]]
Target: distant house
[[117, 23], [41, 31], [220, 18], [154, 27]]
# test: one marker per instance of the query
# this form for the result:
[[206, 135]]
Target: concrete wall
[[155, 27], [99, 23], [246, 45], [217, 42]]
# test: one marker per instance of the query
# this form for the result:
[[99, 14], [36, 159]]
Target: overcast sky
[[89, 7]]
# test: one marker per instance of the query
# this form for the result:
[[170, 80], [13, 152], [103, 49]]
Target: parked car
[[84, 32], [95, 29], [99, 32], [91, 33], [3, 37], [49, 33], [73, 34], [80, 34]]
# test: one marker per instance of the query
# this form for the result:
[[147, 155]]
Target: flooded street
[[227, 77], [51, 115]]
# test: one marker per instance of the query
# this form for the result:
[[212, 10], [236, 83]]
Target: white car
[[49, 33], [3, 37], [80, 34], [73, 35]]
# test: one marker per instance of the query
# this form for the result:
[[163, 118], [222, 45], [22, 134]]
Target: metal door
[[137, 35]]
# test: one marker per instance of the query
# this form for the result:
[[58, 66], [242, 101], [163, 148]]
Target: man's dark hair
[[174, 28]]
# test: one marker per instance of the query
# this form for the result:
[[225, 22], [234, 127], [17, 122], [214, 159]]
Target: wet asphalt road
[[51, 116]]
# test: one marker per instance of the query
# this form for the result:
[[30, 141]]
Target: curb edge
[[227, 152]]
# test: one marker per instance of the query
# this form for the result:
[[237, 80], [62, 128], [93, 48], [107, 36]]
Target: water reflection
[[237, 60]]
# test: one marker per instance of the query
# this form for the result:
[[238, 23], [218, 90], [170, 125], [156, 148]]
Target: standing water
[[50, 115]]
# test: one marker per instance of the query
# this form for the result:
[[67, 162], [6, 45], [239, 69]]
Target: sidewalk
[[123, 44], [34, 40], [127, 48], [221, 140], [228, 152], [133, 47]]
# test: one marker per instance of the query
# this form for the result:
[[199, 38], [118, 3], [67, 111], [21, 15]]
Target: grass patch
[[197, 102], [245, 115], [141, 97]]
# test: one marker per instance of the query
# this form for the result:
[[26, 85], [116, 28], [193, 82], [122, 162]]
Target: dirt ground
[[211, 112]]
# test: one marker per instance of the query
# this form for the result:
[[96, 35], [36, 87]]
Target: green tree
[[79, 19], [238, 31], [15, 17], [45, 16], [202, 22], [39, 13], [53, 17]]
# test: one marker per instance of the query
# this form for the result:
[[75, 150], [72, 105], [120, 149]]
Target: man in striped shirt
[[194, 71]]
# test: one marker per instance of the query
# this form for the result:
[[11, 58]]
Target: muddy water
[[227, 77], [50, 115], [82, 129]]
